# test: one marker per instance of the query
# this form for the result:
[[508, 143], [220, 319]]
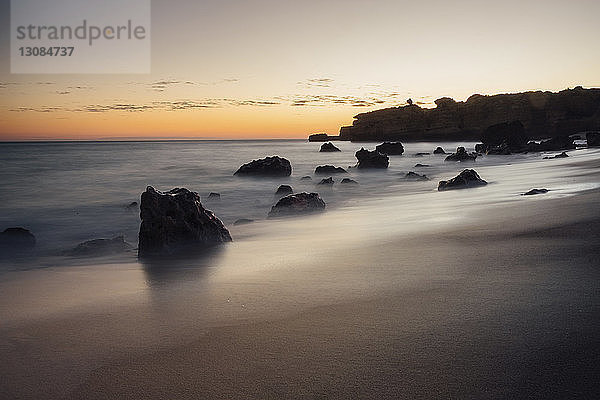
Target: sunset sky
[[283, 69]]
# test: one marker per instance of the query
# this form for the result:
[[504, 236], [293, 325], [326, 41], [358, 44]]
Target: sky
[[286, 69]]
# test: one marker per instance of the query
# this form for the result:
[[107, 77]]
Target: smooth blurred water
[[66, 193]]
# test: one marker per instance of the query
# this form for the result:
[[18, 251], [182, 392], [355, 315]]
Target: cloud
[[325, 100], [317, 82]]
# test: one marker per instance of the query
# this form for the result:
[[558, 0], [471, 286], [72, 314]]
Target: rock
[[416, 177], [243, 221], [390, 148], [16, 240], [421, 165], [466, 179], [327, 181], [328, 147], [329, 169], [504, 138], [535, 191], [461, 155], [214, 196], [269, 166], [306, 178], [439, 150], [175, 220], [561, 155], [480, 148], [554, 144], [421, 154], [371, 159], [284, 190], [133, 204], [295, 204], [101, 247], [593, 139], [322, 137], [348, 181], [500, 150]]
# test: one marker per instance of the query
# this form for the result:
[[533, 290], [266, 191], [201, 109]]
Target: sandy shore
[[507, 306]]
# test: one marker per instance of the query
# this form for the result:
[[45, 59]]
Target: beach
[[478, 293]]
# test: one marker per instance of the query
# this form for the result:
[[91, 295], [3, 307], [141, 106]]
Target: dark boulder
[[554, 144], [327, 181], [466, 179], [371, 159], [101, 247], [306, 178], [269, 166], [284, 190], [510, 136], [421, 165], [561, 155], [328, 148], [243, 221], [295, 204], [16, 240], [422, 154], [533, 192], [348, 181], [413, 176], [329, 169], [461, 155], [132, 205], [593, 139], [175, 220], [439, 150], [390, 148], [502, 149], [214, 196]]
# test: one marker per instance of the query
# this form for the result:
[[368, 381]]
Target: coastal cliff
[[543, 114]]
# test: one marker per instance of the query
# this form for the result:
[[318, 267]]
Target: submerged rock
[[348, 181], [243, 221], [439, 150], [101, 247], [421, 165], [461, 155], [466, 179], [416, 177], [284, 190], [327, 181], [561, 155], [16, 240], [329, 169], [176, 219], [555, 144], [421, 154], [328, 148], [214, 196], [306, 178], [133, 204], [371, 159], [295, 204], [390, 148], [269, 166], [533, 192]]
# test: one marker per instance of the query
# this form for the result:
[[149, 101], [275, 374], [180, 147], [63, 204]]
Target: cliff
[[543, 114]]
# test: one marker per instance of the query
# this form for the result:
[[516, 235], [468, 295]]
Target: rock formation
[[296, 204], [390, 148], [322, 137], [101, 247], [504, 138], [371, 159], [533, 192], [175, 220], [329, 169], [327, 181], [284, 190], [461, 155], [439, 150], [593, 139], [466, 179], [16, 240], [328, 148], [413, 176], [348, 181], [269, 166]]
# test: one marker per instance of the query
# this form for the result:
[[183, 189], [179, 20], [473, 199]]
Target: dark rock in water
[[480, 148], [101, 247], [328, 147], [16, 240], [295, 204], [329, 169], [214, 196], [466, 179], [284, 190], [348, 181], [390, 148], [461, 155], [133, 204], [306, 178], [421, 165], [554, 144], [504, 138], [561, 155], [327, 181], [422, 154], [416, 177], [322, 137], [535, 191], [593, 139], [371, 159], [243, 221], [175, 220], [270, 166], [439, 150]]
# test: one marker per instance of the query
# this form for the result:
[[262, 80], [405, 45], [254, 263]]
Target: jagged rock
[[269, 166], [421, 154], [421, 165], [328, 147], [348, 181], [329, 169], [214, 196], [390, 148], [416, 177], [284, 190], [461, 155], [439, 150], [371, 159], [504, 138], [535, 191], [593, 139], [295, 204], [466, 179], [554, 144], [243, 221], [321, 137], [306, 178], [16, 240], [101, 247], [480, 148], [327, 181], [176, 219], [561, 155]]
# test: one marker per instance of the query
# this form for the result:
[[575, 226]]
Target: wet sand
[[507, 306]]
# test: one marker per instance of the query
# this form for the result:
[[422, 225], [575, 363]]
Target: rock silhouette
[[371, 159], [269, 166], [327, 181], [466, 179], [533, 192], [16, 240], [296, 204], [390, 148], [329, 169], [328, 148], [461, 155], [101, 247], [284, 190], [439, 150]]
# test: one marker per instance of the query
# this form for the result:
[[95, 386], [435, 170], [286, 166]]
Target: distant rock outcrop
[[371, 159], [543, 115], [504, 138], [390, 148], [296, 204], [329, 169], [321, 137], [175, 220], [461, 155], [269, 166], [328, 148], [466, 179]]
